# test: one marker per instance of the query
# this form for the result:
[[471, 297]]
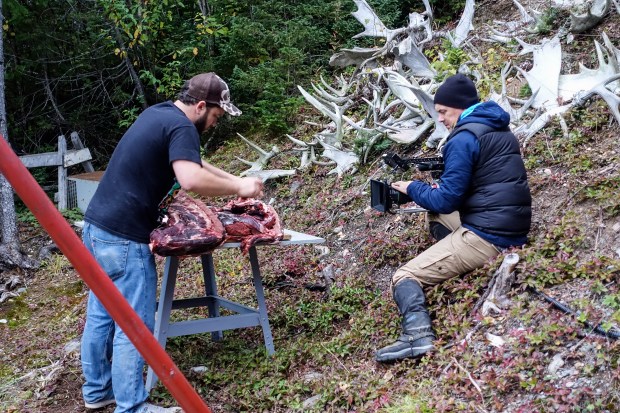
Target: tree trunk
[[132, 71], [10, 251]]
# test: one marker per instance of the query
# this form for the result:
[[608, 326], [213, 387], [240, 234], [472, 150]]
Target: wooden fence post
[[62, 174], [62, 159]]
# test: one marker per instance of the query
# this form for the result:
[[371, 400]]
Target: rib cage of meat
[[192, 228], [250, 221]]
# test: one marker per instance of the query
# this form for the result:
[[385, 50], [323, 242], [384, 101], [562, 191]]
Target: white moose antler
[[584, 22], [464, 26], [503, 100], [329, 109], [373, 26], [586, 79], [544, 76], [345, 160], [407, 53], [610, 97], [256, 167], [307, 150]]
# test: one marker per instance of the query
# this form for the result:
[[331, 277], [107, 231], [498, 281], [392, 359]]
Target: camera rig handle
[[433, 164]]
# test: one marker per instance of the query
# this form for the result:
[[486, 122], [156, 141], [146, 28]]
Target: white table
[[243, 316]]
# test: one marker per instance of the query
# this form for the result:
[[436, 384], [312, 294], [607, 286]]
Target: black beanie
[[457, 91]]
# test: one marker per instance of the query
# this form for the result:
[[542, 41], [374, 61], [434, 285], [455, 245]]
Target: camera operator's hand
[[401, 186]]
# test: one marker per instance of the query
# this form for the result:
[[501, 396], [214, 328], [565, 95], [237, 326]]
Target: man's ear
[[201, 107]]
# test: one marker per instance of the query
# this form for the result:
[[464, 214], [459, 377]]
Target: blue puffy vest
[[498, 201]]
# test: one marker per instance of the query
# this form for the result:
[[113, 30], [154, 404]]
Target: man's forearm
[[211, 181], [212, 184], [217, 171]]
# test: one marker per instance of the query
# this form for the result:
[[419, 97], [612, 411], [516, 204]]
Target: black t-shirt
[[140, 172]]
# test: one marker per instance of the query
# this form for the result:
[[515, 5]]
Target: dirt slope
[[330, 308]]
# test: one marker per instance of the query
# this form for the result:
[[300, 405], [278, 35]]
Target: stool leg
[[164, 308], [260, 297], [208, 273]]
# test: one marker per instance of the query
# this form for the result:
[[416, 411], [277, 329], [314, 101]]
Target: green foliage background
[[68, 62]]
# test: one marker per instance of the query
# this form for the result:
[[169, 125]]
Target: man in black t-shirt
[[162, 145]]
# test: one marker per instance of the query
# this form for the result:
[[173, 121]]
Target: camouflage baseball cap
[[212, 89]]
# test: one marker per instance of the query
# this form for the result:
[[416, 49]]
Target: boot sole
[[410, 352]]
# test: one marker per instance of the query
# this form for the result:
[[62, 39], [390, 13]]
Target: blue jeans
[[112, 366]]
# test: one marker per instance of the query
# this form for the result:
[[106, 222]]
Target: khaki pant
[[458, 253]]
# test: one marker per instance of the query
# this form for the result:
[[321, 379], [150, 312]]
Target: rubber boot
[[417, 337]]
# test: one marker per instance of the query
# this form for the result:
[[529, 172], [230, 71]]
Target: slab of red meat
[[250, 221], [192, 228]]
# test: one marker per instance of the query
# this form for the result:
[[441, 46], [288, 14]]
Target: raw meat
[[250, 221], [192, 228]]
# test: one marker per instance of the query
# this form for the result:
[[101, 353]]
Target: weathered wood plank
[[72, 157], [41, 159], [77, 144], [77, 156]]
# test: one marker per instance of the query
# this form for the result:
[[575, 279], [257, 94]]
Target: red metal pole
[[89, 270]]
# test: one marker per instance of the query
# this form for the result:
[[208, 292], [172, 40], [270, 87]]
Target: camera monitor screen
[[383, 196], [380, 196]]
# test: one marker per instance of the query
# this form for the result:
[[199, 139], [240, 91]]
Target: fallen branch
[[471, 379]]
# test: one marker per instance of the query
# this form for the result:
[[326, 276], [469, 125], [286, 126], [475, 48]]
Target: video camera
[[383, 196]]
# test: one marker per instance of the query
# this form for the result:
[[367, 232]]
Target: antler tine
[[464, 26], [572, 84], [297, 141], [244, 161], [428, 10], [504, 100], [323, 108], [610, 98], [335, 113], [385, 106], [525, 16], [525, 47], [609, 45], [339, 100], [318, 125], [263, 158], [270, 173], [499, 36], [329, 109], [308, 158], [257, 148], [535, 29], [504, 74], [540, 120], [307, 150], [375, 107], [525, 107], [373, 26], [345, 86]]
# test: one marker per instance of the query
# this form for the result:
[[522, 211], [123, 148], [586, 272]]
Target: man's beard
[[201, 123]]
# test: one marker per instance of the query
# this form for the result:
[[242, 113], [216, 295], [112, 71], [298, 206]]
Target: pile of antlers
[[392, 85]]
